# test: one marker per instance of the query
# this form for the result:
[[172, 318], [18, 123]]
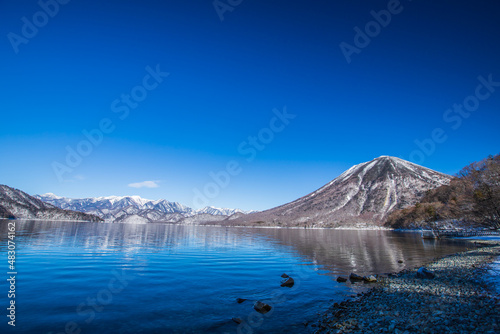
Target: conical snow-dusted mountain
[[365, 194]]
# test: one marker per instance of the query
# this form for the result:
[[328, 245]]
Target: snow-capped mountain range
[[136, 209], [364, 194], [15, 203]]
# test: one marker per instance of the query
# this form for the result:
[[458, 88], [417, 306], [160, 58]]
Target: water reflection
[[119, 237], [186, 278], [367, 252], [336, 251]]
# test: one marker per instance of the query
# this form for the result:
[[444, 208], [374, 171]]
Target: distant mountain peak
[[218, 211], [386, 157], [114, 199], [51, 195]]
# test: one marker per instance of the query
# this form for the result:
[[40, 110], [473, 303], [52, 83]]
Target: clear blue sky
[[72, 71]]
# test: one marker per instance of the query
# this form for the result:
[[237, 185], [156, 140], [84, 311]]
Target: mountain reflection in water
[[337, 251], [185, 278]]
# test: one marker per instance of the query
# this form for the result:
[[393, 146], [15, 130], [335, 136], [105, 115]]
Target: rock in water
[[354, 277], [370, 278], [423, 272], [261, 307], [240, 300], [237, 320], [289, 282], [341, 279], [285, 276]]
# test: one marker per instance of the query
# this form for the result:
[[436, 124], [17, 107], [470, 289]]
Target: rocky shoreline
[[456, 300]]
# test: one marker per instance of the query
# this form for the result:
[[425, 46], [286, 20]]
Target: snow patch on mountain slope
[[134, 219], [218, 211]]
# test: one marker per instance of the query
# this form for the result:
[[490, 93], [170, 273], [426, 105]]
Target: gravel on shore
[[457, 300]]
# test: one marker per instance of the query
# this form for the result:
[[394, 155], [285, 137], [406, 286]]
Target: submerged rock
[[285, 276], [341, 279], [237, 320], [355, 277], [289, 282], [240, 300], [423, 272], [370, 278], [261, 307]]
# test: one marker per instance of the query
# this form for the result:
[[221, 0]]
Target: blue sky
[[251, 111]]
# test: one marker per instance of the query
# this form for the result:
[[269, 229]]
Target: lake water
[[76, 277]]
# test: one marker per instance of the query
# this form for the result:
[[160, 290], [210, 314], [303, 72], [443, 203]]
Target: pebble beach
[[459, 299]]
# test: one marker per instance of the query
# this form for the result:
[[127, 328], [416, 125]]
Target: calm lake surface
[[76, 277]]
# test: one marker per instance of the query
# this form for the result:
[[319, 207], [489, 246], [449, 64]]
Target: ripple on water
[[119, 278]]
